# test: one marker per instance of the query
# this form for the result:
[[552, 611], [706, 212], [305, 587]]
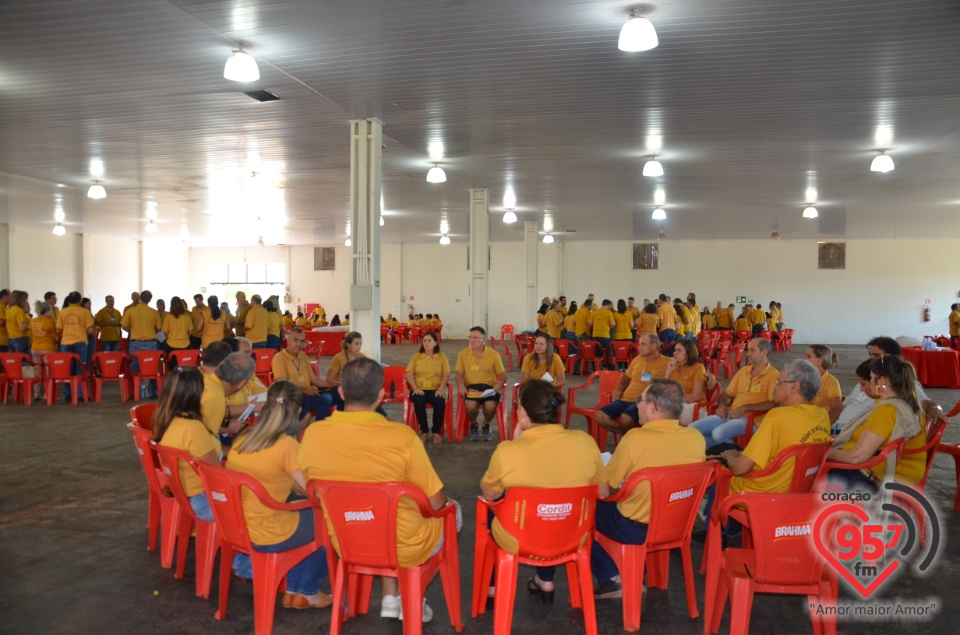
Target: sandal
[[437, 438], [534, 587], [423, 437]]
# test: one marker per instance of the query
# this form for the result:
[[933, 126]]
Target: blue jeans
[[719, 430], [273, 341], [439, 403], [110, 347], [19, 345], [241, 561], [262, 344], [612, 524], [143, 345], [320, 404], [306, 577], [80, 348], [667, 336]]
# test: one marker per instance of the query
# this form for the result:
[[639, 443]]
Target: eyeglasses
[[787, 381]]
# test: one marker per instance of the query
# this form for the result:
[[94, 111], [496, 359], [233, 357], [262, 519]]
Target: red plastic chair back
[[624, 351], [142, 415], [881, 457], [385, 334], [109, 366], [506, 331], [13, 370], [494, 344], [163, 513], [400, 334], [548, 523], [934, 432], [766, 334], [726, 334], [524, 346], [394, 386], [186, 357], [149, 363], [264, 360], [743, 336], [57, 365], [675, 495], [413, 333], [588, 355], [13, 365]]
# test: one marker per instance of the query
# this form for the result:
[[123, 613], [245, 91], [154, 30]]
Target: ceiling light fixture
[[152, 227], [59, 230], [661, 236], [260, 242], [444, 240], [810, 212], [509, 217], [775, 236], [348, 243], [882, 163], [637, 34], [652, 167], [381, 220], [96, 191], [436, 174], [548, 239], [241, 67], [659, 214]]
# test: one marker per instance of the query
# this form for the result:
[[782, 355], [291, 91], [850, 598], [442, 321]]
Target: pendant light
[[548, 239], [436, 174], [509, 217], [59, 230], [637, 34], [241, 67], [659, 214], [96, 191], [444, 240], [810, 212], [882, 163], [652, 167]]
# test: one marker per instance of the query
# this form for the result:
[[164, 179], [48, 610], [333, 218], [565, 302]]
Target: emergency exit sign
[[741, 299]]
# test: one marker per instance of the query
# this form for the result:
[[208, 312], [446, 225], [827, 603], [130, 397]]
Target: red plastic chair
[[224, 491], [142, 415], [264, 359], [410, 416], [713, 364], [413, 334], [709, 404], [162, 509], [881, 457], [438, 332], [524, 346], [766, 334], [608, 382], [752, 417], [743, 336], [734, 360], [364, 517], [57, 370], [588, 355], [400, 334], [953, 449], [624, 352], [552, 527], [13, 369], [207, 541], [463, 425], [110, 367], [775, 564], [394, 385], [675, 494], [787, 335], [934, 432], [506, 332], [504, 354], [569, 358], [385, 334], [151, 363], [184, 357], [727, 335]]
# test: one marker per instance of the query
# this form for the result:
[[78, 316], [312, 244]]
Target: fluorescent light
[[241, 67], [637, 34], [444, 240], [59, 230], [96, 191], [810, 212], [436, 174], [652, 168], [881, 163], [548, 239], [152, 227], [659, 214], [509, 217]]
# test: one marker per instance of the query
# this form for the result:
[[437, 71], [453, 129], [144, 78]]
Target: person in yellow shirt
[[570, 323], [553, 321], [649, 320], [301, 321], [954, 320], [288, 322], [339, 449], [542, 361], [426, 376], [743, 322], [4, 299], [660, 441], [758, 320], [43, 338], [256, 322], [780, 320], [50, 298], [240, 319], [74, 325], [213, 322], [620, 414], [726, 319], [635, 311], [142, 323], [269, 452], [273, 325], [107, 321], [696, 325], [563, 305], [624, 327], [683, 318], [176, 326], [667, 329], [601, 322], [582, 318], [479, 370], [197, 314], [708, 321], [18, 323], [292, 364]]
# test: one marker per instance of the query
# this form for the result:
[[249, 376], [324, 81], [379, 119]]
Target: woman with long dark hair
[[213, 323]]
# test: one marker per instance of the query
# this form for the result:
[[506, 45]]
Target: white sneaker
[[390, 606], [427, 611]]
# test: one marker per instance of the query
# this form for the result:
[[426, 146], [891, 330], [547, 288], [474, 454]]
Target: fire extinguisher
[[926, 313]]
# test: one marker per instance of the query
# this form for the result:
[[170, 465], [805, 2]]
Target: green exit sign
[[203, 289], [741, 299]]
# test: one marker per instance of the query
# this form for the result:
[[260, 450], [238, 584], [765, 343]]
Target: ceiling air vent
[[261, 95]]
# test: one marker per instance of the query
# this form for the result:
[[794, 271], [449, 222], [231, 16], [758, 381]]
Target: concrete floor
[[74, 560]]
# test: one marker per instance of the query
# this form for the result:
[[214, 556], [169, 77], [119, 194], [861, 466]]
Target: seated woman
[[897, 415], [541, 454], [269, 452], [830, 396], [541, 361], [336, 320], [427, 375], [686, 369], [351, 345]]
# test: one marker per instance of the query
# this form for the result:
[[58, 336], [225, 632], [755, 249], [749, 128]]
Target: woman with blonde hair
[[541, 362], [823, 359], [351, 344], [269, 452], [43, 338]]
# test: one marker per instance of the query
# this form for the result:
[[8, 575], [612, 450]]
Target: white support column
[[366, 139], [561, 269], [479, 257], [530, 246]]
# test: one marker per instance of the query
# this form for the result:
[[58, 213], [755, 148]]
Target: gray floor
[[74, 560]]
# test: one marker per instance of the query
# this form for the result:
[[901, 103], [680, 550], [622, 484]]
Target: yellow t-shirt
[[302, 321], [635, 311], [570, 323], [746, 390], [782, 427], [563, 311], [213, 403], [212, 329], [190, 436], [544, 456], [601, 319], [554, 323], [287, 322], [72, 323], [294, 369], [427, 371], [725, 320], [241, 319], [668, 317], [198, 313], [273, 467], [758, 316], [142, 322], [695, 323], [688, 376], [536, 370], [479, 370], [683, 319], [17, 316], [273, 326], [954, 323], [709, 322], [109, 333], [582, 315], [881, 422], [177, 330], [363, 447], [43, 334], [648, 323], [636, 371], [655, 444], [742, 324], [829, 389], [256, 324], [622, 330], [242, 397], [336, 366]]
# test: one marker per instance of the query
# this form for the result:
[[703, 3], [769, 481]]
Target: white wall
[[439, 282], [4, 257], [41, 262], [111, 266]]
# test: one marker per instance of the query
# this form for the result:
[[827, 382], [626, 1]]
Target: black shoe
[[534, 587], [608, 590], [473, 433]]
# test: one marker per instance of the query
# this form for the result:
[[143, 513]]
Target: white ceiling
[[753, 101]]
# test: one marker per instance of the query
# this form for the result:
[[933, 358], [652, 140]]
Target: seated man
[[291, 363], [479, 371], [620, 415], [751, 390], [359, 445], [228, 377], [660, 442]]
